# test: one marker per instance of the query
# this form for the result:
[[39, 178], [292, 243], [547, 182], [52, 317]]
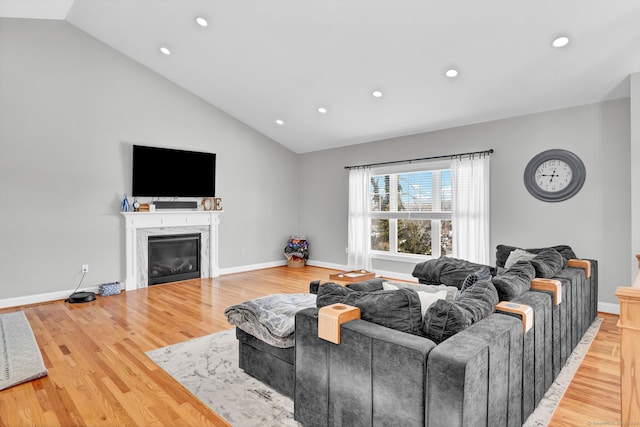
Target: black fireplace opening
[[174, 257]]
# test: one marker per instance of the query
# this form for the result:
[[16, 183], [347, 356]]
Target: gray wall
[[595, 222], [634, 161], [70, 109]]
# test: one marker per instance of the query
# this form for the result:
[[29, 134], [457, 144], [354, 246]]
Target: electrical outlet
[[85, 268]]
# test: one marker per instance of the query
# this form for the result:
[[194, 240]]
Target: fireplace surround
[[140, 225]]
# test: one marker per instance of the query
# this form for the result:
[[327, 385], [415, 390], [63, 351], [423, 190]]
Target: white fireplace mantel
[[135, 221]]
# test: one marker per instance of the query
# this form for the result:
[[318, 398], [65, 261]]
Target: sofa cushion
[[548, 263], [398, 309], [446, 318], [446, 270], [514, 281], [503, 252], [367, 285]]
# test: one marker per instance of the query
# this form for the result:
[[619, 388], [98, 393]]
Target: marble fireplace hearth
[[140, 225]]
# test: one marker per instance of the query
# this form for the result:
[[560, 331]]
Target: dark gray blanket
[[447, 271]]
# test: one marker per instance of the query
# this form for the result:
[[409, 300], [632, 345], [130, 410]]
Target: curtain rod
[[451, 156]]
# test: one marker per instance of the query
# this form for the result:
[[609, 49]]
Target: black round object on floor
[[77, 297]]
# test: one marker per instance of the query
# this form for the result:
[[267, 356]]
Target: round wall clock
[[554, 175]]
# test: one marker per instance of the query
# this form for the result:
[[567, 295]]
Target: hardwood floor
[[100, 376], [593, 398]]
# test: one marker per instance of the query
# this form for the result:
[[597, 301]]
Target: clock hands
[[553, 175]]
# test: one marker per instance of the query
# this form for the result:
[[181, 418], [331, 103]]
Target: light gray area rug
[[20, 357], [208, 368]]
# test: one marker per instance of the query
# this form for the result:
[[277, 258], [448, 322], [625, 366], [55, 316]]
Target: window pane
[[415, 191], [414, 236], [446, 237], [380, 234], [379, 190], [445, 191]]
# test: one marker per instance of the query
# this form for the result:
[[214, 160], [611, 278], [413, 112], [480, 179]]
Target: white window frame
[[393, 215]]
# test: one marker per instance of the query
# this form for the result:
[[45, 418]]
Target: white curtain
[[359, 240], [470, 216]]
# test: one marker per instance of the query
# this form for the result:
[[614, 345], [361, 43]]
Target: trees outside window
[[411, 213]]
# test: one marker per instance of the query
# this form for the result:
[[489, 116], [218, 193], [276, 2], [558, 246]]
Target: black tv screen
[[164, 172]]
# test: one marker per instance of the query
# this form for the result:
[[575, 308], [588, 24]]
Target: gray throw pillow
[[548, 263], [452, 291], [514, 281], [518, 255], [481, 274], [399, 310], [446, 318]]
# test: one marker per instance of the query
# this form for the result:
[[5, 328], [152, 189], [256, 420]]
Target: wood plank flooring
[[100, 376]]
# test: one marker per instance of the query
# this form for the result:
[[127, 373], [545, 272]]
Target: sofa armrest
[[375, 376], [475, 377], [331, 318], [549, 285], [581, 263], [522, 311]]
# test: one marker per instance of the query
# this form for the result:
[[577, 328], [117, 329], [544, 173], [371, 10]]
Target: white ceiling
[[282, 59]]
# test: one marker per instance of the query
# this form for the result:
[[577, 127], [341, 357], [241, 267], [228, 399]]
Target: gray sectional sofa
[[465, 361], [492, 372]]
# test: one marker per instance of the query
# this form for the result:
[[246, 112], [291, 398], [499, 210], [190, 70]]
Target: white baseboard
[[251, 267], [326, 265], [40, 298], [607, 307]]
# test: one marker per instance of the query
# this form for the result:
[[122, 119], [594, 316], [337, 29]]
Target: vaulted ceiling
[[273, 64]]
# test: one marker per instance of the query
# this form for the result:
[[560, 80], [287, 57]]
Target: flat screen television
[[165, 172]]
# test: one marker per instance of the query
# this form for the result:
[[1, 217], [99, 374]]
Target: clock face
[[553, 175]]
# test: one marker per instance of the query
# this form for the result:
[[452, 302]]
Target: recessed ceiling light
[[322, 110], [279, 122], [561, 41], [377, 93], [451, 73], [201, 21], [165, 50]]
